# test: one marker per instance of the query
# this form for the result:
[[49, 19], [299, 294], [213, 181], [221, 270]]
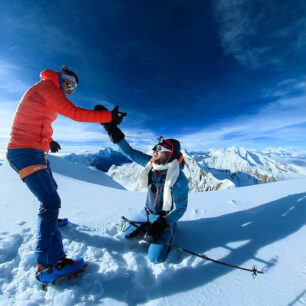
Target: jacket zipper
[[156, 197]]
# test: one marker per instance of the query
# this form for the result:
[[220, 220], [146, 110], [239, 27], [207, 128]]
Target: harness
[[23, 173]]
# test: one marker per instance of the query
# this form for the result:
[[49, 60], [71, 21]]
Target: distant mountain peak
[[214, 169]]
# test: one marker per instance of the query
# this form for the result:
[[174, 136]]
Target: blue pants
[[158, 251], [49, 247]]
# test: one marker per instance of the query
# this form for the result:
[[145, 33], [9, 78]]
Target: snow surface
[[262, 224], [79, 172]]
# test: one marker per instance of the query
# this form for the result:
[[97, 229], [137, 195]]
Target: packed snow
[[262, 225]]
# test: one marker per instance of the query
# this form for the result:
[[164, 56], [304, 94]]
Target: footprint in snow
[[26, 230], [21, 223], [232, 202], [145, 278], [9, 246], [112, 231]]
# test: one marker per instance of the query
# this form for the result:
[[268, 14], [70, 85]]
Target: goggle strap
[[169, 143]]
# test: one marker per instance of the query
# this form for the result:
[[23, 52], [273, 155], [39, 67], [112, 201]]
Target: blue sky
[[209, 73]]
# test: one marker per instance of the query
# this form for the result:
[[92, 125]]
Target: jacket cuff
[[109, 116]]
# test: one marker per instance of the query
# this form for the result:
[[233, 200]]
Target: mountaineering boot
[[63, 268], [62, 222]]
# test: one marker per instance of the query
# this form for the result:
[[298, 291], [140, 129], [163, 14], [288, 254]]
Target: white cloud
[[259, 34], [287, 87], [67, 130], [9, 80], [7, 112], [54, 38], [278, 121], [10, 86]]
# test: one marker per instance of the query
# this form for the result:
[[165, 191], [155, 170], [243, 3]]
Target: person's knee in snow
[[158, 253]]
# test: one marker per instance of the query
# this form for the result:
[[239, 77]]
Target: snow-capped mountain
[[279, 152], [287, 155], [244, 167], [200, 180], [219, 169], [214, 169], [102, 160]]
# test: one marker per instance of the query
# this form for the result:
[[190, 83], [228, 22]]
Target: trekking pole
[[253, 270]]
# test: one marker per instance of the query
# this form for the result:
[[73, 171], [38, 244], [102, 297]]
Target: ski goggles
[[70, 84], [160, 148]]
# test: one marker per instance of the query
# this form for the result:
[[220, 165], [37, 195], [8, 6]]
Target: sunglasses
[[71, 85], [160, 148]]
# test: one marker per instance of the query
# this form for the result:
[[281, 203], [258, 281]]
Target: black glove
[[100, 107], [140, 230], [114, 133], [54, 146], [117, 116], [156, 229]]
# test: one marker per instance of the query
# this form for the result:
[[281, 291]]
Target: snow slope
[[261, 224], [82, 173]]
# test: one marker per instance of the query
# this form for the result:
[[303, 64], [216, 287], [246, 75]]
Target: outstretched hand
[[117, 116], [54, 146], [100, 107], [114, 133]]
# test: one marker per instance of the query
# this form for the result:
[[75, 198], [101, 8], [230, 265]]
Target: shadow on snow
[[257, 227]]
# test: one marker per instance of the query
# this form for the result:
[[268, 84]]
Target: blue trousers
[[49, 247], [158, 251]]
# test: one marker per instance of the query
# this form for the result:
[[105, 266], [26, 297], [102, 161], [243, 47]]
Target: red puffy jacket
[[39, 107]]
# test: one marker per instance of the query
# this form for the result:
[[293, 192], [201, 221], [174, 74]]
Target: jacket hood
[[51, 76]]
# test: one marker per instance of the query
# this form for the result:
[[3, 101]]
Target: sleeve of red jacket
[[66, 108]]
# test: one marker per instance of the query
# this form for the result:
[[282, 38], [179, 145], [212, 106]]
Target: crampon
[[63, 269]]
